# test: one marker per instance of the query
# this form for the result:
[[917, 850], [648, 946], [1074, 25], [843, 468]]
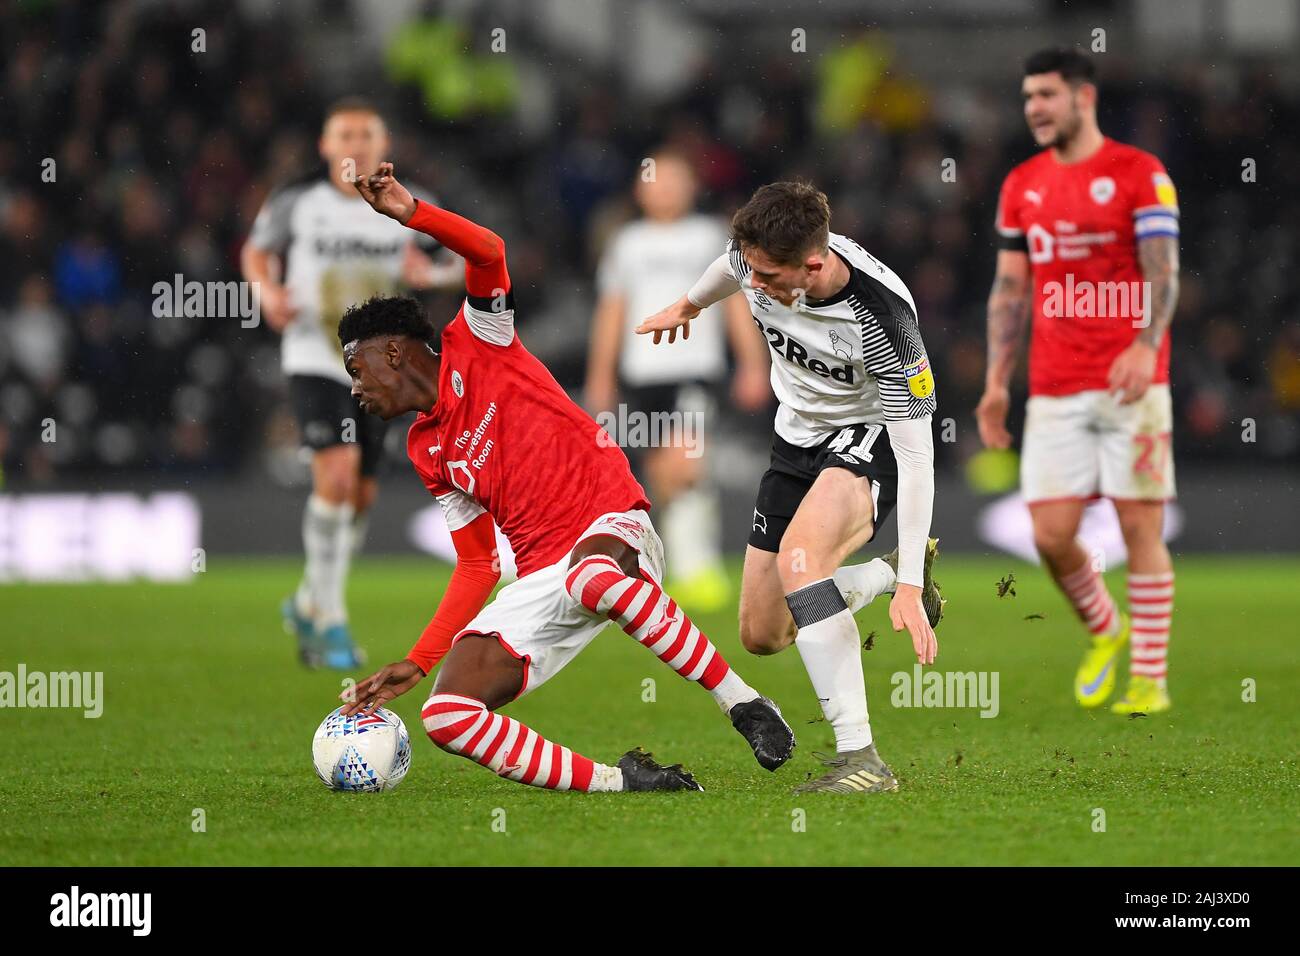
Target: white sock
[[691, 531], [863, 583], [360, 527], [302, 601], [327, 534], [605, 779], [733, 690], [828, 643]]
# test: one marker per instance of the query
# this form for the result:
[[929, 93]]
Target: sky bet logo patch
[[920, 380], [1166, 195]]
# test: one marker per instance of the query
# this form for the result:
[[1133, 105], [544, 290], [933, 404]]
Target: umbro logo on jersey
[[792, 350]]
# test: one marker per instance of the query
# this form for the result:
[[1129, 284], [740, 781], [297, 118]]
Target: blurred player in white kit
[[645, 265], [315, 250]]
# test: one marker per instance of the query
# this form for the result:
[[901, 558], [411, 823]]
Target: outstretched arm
[[477, 572], [716, 284]]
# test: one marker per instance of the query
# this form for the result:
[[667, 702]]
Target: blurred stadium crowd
[[162, 156]]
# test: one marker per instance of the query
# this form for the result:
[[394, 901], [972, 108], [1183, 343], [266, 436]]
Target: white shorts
[[535, 619], [1088, 445]]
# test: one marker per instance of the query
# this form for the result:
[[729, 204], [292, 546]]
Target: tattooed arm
[[1135, 367], [1007, 317]]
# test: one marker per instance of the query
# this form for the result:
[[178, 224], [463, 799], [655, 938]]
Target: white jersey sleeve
[[492, 318], [913, 444], [459, 509], [718, 282]]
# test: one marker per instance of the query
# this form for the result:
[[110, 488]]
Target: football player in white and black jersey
[[316, 249], [852, 442]]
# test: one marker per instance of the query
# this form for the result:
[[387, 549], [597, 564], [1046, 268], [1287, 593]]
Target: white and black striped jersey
[[335, 252], [855, 357]]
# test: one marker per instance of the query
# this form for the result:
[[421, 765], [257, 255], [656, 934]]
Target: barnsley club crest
[[1102, 190]]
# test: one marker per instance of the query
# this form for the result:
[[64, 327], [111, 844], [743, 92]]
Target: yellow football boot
[[1144, 696], [1095, 679]]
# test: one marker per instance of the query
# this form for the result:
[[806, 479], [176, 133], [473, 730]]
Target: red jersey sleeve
[[476, 574], [489, 304], [1154, 199], [1011, 234]]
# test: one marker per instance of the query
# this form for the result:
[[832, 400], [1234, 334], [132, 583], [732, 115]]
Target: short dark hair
[[1073, 64], [350, 104], [387, 315], [784, 220]]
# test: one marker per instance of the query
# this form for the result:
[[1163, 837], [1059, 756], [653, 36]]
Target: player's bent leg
[[766, 626], [604, 578], [479, 675], [1056, 528], [1151, 601], [1056, 534], [834, 519]]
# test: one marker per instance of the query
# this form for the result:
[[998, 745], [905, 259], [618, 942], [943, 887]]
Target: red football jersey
[[504, 438], [1082, 222]]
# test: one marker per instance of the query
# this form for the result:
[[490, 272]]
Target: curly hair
[[387, 315]]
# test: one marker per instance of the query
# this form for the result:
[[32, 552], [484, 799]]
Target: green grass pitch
[[205, 708]]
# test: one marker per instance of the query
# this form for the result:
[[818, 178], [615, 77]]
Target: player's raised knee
[[590, 579]]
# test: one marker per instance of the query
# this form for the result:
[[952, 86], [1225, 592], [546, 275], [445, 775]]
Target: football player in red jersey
[[1089, 233], [497, 439]]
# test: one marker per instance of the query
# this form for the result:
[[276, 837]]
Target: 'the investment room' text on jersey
[[856, 357], [1080, 224]]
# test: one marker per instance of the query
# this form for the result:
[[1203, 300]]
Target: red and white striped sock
[[1092, 602], [1151, 603], [642, 609], [464, 726]]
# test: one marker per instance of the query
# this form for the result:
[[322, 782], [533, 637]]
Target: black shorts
[[328, 415], [862, 449]]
